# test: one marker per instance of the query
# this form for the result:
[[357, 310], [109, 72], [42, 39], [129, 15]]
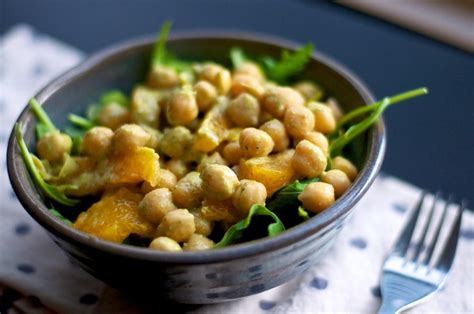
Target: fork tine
[[431, 248], [419, 246], [447, 256], [403, 242]]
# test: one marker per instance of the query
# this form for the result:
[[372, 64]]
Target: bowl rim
[[28, 196]]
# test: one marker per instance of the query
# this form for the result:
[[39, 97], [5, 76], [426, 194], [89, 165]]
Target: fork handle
[[388, 307]]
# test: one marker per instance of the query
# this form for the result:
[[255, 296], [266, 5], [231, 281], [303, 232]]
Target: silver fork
[[407, 280]]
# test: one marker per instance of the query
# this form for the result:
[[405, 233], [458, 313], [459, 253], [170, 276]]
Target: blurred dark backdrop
[[430, 139]]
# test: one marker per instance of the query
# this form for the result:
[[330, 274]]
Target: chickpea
[[177, 225], [277, 99], [145, 109], [219, 182], [178, 167], [167, 179], [345, 166], [309, 160], [163, 77], [338, 179], [198, 242], [232, 153], [203, 226], [309, 90], [176, 141], [244, 110], [113, 116], [246, 84], [277, 132], [53, 146], [217, 76], [223, 82], [324, 119], [298, 121], [206, 95], [155, 137], [249, 192], [97, 142], [188, 192], [317, 196], [250, 68], [129, 137], [255, 143], [318, 139], [264, 117], [156, 204], [215, 158], [165, 244], [181, 108]]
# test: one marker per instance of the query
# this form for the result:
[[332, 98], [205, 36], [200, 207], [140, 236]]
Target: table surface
[[430, 140]]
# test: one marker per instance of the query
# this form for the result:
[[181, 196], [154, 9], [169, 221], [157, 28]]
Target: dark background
[[430, 139]]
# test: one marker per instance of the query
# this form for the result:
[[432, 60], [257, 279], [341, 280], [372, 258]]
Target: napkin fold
[[37, 277]]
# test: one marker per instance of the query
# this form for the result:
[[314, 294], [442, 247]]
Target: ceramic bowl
[[203, 276]]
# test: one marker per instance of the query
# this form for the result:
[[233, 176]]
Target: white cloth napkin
[[346, 280]]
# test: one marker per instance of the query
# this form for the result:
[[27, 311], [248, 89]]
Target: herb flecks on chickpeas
[[199, 149]]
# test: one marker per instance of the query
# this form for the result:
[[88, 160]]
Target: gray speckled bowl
[[193, 277]]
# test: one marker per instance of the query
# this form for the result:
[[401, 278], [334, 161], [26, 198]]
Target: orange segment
[[140, 165], [213, 129], [115, 217], [273, 171], [218, 211]]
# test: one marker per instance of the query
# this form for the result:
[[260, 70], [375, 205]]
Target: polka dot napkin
[[36, 277]]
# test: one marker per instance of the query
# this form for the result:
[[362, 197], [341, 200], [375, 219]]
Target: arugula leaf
[[287, 196], [392, 100], [114, 96], [303, 213], [52, 191], [80, 121], [44, 124], [237, 57], [76, 135], [289, 64], [59, 216], [158, 54], [236, 231], [92, 113], [376, 110]]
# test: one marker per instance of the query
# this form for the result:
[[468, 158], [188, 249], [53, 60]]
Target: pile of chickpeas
[[259, 118]]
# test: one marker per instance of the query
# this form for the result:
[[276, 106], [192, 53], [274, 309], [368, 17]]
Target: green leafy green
[[236, 231], [376, 110], [287, 196], [52, 191], [92, 113], [114, 96], [44, 124], [237, 57], [303, 213], [76, 135], [289, 64], [158, 54], [80, 121], [392, 100], [59, 216]]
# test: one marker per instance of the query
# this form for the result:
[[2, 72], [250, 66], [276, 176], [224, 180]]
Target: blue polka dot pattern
[[319, 283], [89, 299], [399, 208], [266, 305], [376, 292], [257, 288], [22, 229], [467, 234], [26, 268], [358, 243]]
